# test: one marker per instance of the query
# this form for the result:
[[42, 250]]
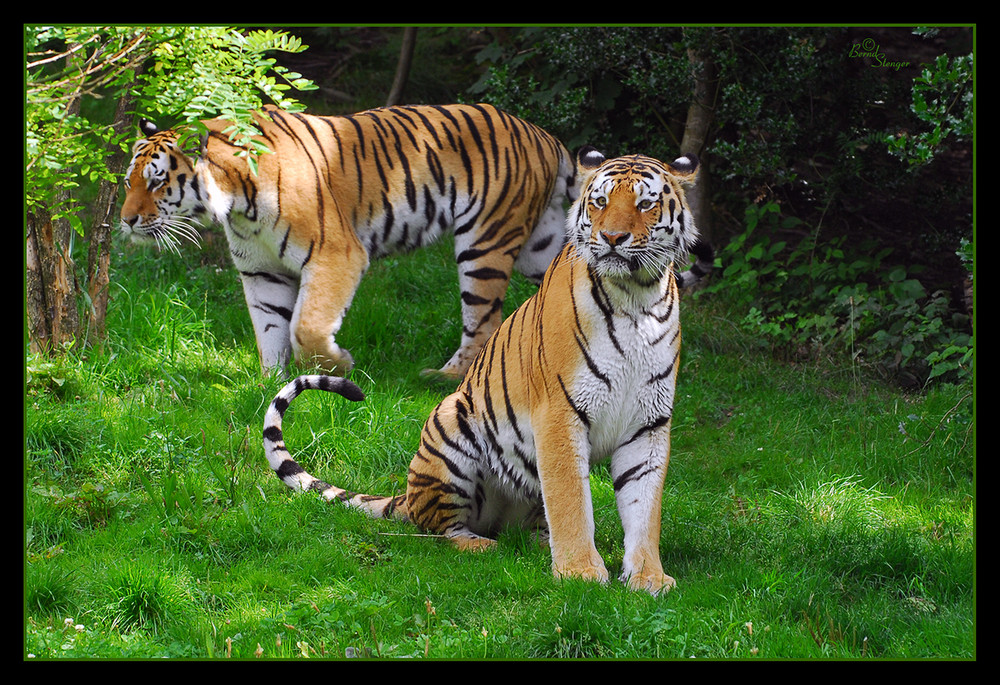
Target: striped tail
[[704, 263], [296, 477]]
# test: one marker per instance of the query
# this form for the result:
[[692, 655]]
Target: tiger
[[334, 192], [584, 370]]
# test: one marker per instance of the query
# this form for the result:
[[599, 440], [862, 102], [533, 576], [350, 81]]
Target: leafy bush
[[809, 298], [942, 101], [804, 136]]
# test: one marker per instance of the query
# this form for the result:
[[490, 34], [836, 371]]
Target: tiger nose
[[614, 238]]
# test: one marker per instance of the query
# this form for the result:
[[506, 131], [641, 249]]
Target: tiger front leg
[[638, 470], [327, 288], [564, 472], [271, 301]]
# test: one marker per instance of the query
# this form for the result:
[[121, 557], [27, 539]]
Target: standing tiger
[[335, 192], [584, 370]]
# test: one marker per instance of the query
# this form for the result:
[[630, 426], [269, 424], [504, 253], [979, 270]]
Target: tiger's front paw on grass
[[589, 572], [655, 583]]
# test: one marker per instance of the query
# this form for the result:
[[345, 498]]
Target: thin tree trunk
[[701, 114], [403, 67], [99, 252]]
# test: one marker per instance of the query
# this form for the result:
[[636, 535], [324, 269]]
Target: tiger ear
[[147, 127], [587, 160], [685, 167], [589, 157]]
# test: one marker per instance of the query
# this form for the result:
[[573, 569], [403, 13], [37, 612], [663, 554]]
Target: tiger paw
[[440, 376], [654, 583], [590, 572], [455, 368], [470, 542]]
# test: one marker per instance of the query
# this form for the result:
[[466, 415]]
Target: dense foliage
[[853, 145], [181, 74]]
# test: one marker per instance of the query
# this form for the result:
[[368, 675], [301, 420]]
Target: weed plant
[[809, 512]]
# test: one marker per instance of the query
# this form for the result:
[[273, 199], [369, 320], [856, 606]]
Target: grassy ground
[[809, 511]]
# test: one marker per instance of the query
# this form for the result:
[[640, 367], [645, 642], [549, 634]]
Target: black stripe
[[603, 303], [472, 299], [284, 312], [590, 362], [633, 474], [289, 468], [272, 278], [487, 273], [506, 397], [543, 244], [579, 412], [663, 374], [648, 428]]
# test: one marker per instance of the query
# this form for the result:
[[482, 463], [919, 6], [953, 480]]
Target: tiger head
[[163, 194], [632, 220]]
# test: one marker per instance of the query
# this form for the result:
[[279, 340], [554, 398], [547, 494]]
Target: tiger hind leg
[[485, 264], [483, 286]]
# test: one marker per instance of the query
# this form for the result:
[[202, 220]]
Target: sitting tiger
[[583, 370], [335, 192]]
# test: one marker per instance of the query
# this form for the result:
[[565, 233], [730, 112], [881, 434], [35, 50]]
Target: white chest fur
[[626, 380]]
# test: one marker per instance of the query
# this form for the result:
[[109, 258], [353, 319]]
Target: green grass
[[809, 511]]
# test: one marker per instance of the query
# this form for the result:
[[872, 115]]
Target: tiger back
[[334, 192], [583, 371]]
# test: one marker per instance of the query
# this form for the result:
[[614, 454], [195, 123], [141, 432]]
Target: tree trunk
[[403, 67], [53, 318], [700, 115], [99, 252]]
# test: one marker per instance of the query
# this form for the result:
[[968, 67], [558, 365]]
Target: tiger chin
[[583, 371]]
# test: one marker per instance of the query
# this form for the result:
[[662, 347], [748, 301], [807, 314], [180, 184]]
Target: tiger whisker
[[169, 233], [166, 241]]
